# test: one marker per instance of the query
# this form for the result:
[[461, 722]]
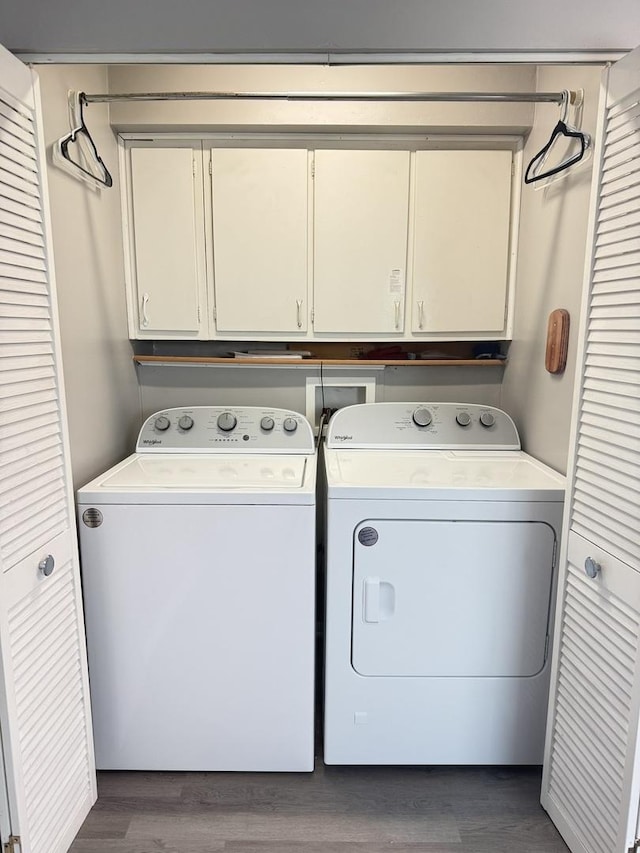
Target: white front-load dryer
[[442, 541], [198, 564]]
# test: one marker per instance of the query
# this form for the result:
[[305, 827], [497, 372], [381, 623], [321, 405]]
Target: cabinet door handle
[[420, 314], [397, 313], [145, 316], [299, 312]]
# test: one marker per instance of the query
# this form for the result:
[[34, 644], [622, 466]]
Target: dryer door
[[451, 598]]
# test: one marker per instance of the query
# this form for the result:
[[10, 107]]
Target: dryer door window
[[451, 598]]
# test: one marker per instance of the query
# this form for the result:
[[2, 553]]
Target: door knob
[[591, 567], [47, 565]]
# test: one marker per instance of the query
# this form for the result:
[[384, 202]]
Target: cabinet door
[[360, 241], [260, 239], [461, 241], [167, 242]]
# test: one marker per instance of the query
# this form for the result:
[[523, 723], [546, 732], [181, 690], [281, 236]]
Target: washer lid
[[180, 478], [440, 475]]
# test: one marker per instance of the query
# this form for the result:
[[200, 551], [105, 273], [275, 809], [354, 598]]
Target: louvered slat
[[52, 724], [616, 221], [16, 242], [20, 179], [616, 236], [21, 254], [24, 209], [15, 285], [15, 151], [18, 192], [17, 120], [12, 416], [23, 229]]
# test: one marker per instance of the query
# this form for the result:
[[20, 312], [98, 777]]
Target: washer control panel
[[236, 429], [435, 426]]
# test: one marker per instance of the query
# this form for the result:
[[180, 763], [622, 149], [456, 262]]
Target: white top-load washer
[[442, 539], [198, 562]]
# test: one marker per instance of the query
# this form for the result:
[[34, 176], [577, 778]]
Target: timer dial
[[422, 417], [227, 421], [162, 423]]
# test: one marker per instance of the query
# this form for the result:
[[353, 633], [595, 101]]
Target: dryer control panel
[[234, 429], [432, 426]]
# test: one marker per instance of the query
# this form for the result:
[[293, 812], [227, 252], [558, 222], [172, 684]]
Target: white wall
[[553, 235], [103, 402], [285, 387], [322, 116], [316, 25]]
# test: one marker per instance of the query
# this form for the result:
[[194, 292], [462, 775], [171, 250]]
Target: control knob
[[422, 417], [487, 419], [162, 423], [185, 422], [463, 419], [267, 424], [226, 421], [290, 424]]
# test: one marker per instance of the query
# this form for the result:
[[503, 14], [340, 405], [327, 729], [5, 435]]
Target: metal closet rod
[[488, 97]]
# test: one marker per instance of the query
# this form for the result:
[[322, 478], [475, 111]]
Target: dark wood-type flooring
[[333, 810]]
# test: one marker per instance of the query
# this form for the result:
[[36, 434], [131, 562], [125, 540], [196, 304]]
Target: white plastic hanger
[[91, 169], [535, 171]]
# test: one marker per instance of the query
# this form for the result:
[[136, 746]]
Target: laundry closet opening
[[261, 227]]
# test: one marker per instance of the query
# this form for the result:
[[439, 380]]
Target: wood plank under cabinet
[[329, 362]]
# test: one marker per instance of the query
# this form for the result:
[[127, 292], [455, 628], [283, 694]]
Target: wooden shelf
[[325, 362]]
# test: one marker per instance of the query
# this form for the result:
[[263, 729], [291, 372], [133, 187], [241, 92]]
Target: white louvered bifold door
[[44, 703], [591, 783]]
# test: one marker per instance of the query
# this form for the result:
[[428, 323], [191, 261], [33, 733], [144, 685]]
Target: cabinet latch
[[13, 845]]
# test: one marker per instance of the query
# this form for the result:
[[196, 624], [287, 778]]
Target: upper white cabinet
[[252, 240], [167, 279], [259, 204], [461, 241], [361, 211]]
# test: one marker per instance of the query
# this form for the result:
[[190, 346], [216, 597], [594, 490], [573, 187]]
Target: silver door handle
[[397, 313], [299, 312], [145, 316], [592, 568], [47, 565], [420, 314]]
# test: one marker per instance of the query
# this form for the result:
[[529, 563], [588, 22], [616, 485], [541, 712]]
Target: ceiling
[[303, 26]]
